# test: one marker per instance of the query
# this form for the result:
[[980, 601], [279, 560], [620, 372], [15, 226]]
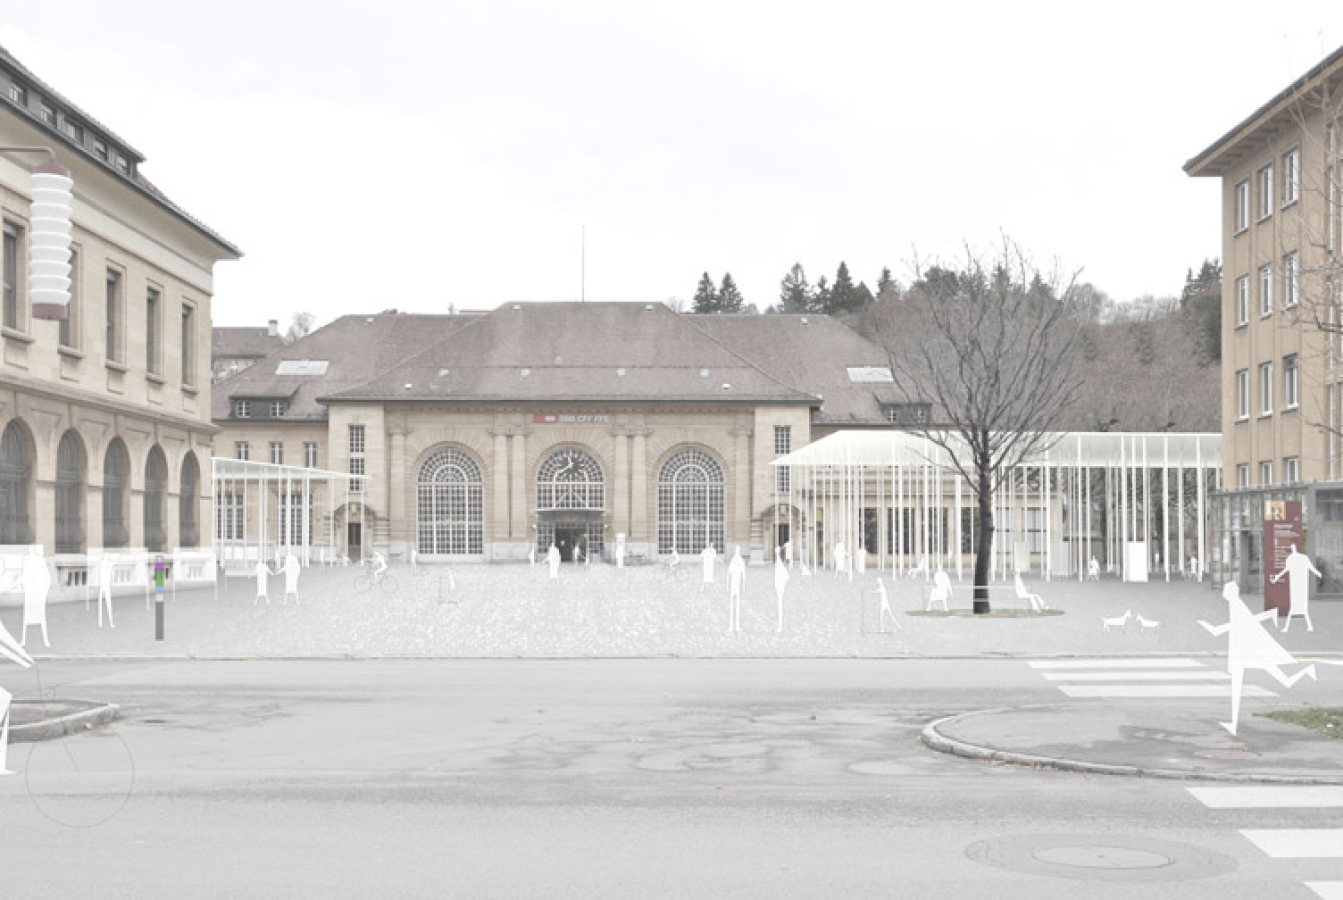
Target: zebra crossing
[[1139, 678], [1286, 843]]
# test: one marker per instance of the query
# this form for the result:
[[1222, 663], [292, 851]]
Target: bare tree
[[991, 347], [300, 326]]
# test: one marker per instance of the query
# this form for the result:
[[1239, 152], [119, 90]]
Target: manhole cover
[[1099, 857]]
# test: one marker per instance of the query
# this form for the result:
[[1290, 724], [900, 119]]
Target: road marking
[[1114, 664], [1160, 690], [1135, 676], [1276, 797], [1298, 843], [1329, 890]]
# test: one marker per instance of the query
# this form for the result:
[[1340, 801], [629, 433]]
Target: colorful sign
[[1282, 529]]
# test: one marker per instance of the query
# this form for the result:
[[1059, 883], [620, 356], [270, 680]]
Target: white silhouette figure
[[10, 649], [675, 560], [379, 567], [1194, 570], [620, 555], [1145, 624], [1250, 646], [1093, 570], [886, 611], [708, 556], [861, 559], [291, 570], [921, 568], [781, 577], [531, 556], [788, 554], [1295, 568], [262, 573], [1037, 602], [841, 558], [553, 560], [941, 591], [36, 587], [736, 580], [106, 571], [1117, 622]]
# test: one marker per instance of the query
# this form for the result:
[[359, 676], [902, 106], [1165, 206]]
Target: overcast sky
[[411, 155]]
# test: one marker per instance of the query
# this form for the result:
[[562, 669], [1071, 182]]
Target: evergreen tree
[[885, 282], [706, 298], [730, 299], [1201, 301], [794, 292], [843, 297], [820, 298]]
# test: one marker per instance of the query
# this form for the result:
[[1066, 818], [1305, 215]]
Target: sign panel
[[1282, 529], [567, 418]]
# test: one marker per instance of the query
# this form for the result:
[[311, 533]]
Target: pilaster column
[[401, 524], [620, 513], [740, 533], [639, 526], [521, 486], [499, 526]]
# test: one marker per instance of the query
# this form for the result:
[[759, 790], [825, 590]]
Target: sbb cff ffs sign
[[567, 419]]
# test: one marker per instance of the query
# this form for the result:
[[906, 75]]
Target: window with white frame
[[1266, 473], [1265, 388], [242, 409], [310, 454], [1291, 175], [1265, 192], [783, 445], [1290, 382], [1243, 475], [13, 289], [188, 344], [1242, 206], [277, 408], [153, 330], [277, 453], [18, 94], [115, 312], [1291, 279], [1242, 300], [357, 458], [1243, 394], [1291, 470], [1266, 289], [67, 331], [241, 450], [230, 516]]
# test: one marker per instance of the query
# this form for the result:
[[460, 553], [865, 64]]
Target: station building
[[105, 433]]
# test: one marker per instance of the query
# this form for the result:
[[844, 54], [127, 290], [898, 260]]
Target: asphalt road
[[618, 778]]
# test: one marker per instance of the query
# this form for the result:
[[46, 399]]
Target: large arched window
[[16, 469], [116, 481], [70, 494], [451, 516], [569, 479], [156, 485], [188, 504], [690, 502]]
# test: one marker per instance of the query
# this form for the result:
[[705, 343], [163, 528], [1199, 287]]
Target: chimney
[[272, 328]]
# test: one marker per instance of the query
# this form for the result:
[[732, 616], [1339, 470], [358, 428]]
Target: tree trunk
[[984, 549]]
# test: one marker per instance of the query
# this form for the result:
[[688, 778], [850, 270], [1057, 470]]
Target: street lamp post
[[49, 238]]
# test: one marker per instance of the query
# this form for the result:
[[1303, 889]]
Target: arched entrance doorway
[[570, 504], [70, 494], [690, 503], [16, 469]]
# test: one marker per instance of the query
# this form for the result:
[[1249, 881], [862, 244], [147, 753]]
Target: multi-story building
[[105, 433], [1281, 347]]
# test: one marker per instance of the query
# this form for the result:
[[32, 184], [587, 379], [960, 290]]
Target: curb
[[935, 740], [96, 715]]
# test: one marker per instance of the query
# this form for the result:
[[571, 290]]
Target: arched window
[[70, 494], [116, 480], [690, 502], [156, 484], [188, 504], [16, 471], [450, 516], [569, 479]]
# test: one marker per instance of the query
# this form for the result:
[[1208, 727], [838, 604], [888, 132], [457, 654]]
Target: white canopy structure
[[265, 511], [898, 499]]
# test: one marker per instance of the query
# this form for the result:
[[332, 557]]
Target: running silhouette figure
[[1251, 647]]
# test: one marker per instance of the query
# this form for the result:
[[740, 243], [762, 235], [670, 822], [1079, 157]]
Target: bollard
[[159, 575]]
